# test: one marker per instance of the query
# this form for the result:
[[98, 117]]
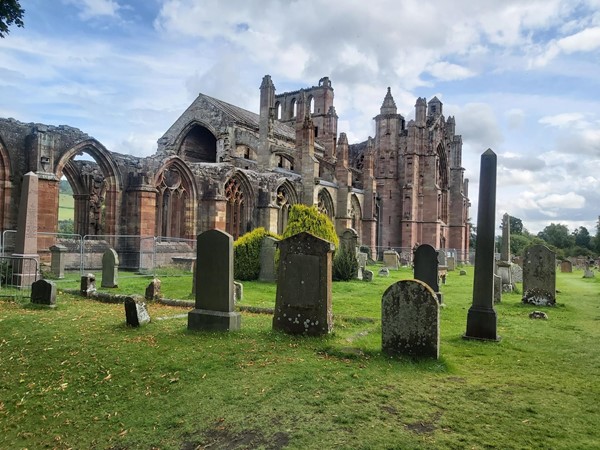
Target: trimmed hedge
[[246, 254], [309, 219]]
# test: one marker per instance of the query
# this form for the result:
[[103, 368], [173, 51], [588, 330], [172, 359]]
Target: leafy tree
[[557, 235], [309, 219], [10, 13], [516, 225], [518, 242], [582, 237]]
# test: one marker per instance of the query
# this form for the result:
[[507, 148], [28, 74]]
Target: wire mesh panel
[[17, 274]]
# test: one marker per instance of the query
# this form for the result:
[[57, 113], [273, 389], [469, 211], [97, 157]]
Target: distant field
[[66, 207]]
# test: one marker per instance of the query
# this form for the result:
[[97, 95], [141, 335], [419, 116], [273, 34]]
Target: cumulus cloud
[[90, 9]]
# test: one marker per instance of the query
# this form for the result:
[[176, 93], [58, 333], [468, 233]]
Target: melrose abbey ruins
[[222, 167]]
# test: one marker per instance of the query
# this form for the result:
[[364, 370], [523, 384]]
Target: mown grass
[[77, 377], [66, 207]]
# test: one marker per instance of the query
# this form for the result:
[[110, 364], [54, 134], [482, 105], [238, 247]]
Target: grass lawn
[[77, 377], [66, 207]]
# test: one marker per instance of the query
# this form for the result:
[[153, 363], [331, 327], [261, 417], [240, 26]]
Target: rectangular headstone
[[88, 284], [267, 259], [214, 308], [566, 266], [410, 320], [110, 269], [303, 302], [391, 259], [57, 261], [451, 262], [426, 267], [43, 292], [362, 259], [136, 313], [539, 276]]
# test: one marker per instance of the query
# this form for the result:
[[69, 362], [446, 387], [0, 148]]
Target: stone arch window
[[442, 180], [5, 186], [285, 162], [286, 197], [294, 107], [325, 203], [199, 145], [311, 104], [236, 207], [171, 204], [278, 111]]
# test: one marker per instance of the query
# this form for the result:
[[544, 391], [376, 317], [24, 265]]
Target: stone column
[[57, 263], [482, 319]]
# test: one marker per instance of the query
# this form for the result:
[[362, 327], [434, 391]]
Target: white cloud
[[570, 200], [562, 120], [90, 9], [445, 71]]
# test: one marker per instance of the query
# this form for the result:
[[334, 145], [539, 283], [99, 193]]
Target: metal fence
[[17, 274]]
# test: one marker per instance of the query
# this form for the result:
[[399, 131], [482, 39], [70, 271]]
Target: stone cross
[[410, 320], [481, 319], [214, 308], [539, 276], [303, 302], [110, 269]]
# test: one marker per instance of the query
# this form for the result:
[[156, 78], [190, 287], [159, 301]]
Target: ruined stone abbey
[[222, 167]]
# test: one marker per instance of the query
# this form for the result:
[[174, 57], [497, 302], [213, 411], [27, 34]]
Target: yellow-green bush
[[246, 254], [309, 219]]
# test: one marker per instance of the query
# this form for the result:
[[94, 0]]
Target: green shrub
[[345, 264], [309, 219], [246, 254]]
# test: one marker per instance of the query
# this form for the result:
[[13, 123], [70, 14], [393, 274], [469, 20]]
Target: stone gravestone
[[566, 266], [410, 320], [497, 289], [516, 273], [303, 301], [362, 260], [153, 290], [57, 261], [238, 292], [503, 266], [136, 313], [43, 292], [425, 263], [442, 261], [214, 309], [267, 259], [391, 259], [539, 276], [367, 275], [451, 262], [25, 257], [384, 272], [588, 273], [349, 242], [88, 284], [110, 269]]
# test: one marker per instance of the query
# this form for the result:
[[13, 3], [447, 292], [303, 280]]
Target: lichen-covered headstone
[[367, 275], [497, 289], [362, 259], [566, 266], [238, 291], [516, 273], [110, 269], [43, 292], [410, 320], [451, 263], [462, 273], [88, 284], [214, 308], [136, 313], [391, 259], [303, 301], [384, 272], [539, 276], [588, 273], [153, 290], [267, 259]]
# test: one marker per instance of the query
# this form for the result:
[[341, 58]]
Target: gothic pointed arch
[[197, 143], [97, 187], [176, 200], [5, 187], [239, 205], [286, 197], [356, 214], [325, 204], [442, 176]]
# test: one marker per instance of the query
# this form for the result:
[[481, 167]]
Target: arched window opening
[[294, 108], [278, 111], [236, 204], [311, 104], [172, 205], [325, 204], [356, 215], [199, 145]]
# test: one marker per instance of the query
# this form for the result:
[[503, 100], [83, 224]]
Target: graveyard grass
[[77, 377]]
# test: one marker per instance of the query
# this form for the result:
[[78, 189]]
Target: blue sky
[[520, 77]]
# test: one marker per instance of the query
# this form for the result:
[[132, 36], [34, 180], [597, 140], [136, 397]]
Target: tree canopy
[[10, 13]]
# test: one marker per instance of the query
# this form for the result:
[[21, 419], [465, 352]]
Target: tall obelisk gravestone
[[25, 268], [482, 319]]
